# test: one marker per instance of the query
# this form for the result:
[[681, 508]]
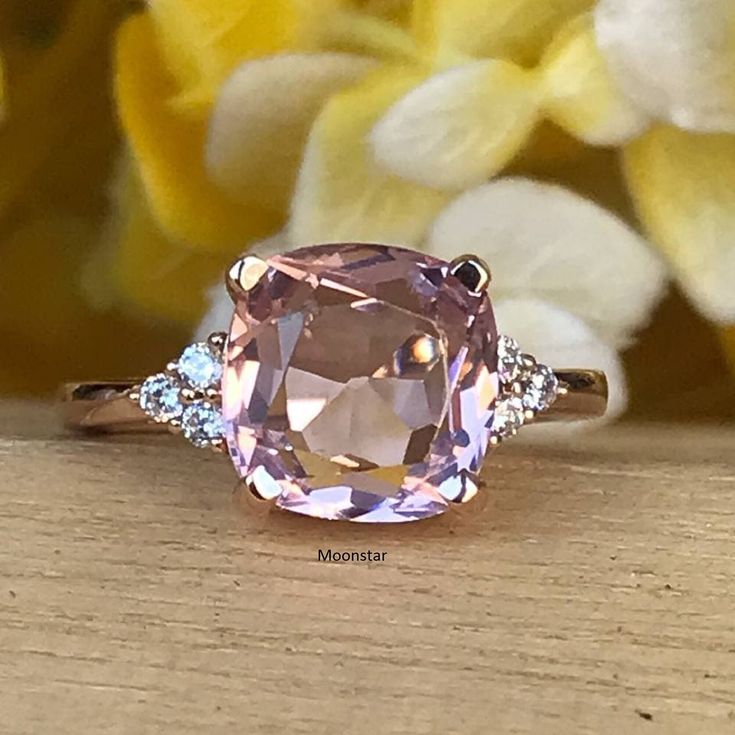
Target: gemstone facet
[[360, 383]]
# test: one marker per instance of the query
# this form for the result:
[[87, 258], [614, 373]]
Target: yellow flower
[[157, 275], [387, 174], [201, 42], [605, 79], [441, 124], [219, 171], [171, 62], [461, 126], [375, 119]]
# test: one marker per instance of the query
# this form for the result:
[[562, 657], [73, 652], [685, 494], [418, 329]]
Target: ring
[[357, 382]]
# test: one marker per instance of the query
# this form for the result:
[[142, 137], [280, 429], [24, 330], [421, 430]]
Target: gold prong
[[244, 274], [134, 395], [529, 415], [250, 502], [217, 340], [472, 271], [172, 367], [188, 395], [495, 441]]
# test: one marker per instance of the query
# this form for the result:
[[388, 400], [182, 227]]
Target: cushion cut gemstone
[[360, 383]]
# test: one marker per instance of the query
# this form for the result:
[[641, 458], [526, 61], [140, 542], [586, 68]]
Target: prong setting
[[472, 271], [247, 498], [187, 396], [527, 388], [244, 274], [217, 341]]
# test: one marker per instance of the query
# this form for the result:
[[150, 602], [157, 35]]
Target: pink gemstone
[[360, 384]]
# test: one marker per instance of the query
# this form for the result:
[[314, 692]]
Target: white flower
[[408, 155], [545, 242], [674, 58]]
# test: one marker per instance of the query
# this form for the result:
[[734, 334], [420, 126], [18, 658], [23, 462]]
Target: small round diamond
[[159, 398], [200, 366], [541, 389], [509, 416], [202, 424], [510, 360]]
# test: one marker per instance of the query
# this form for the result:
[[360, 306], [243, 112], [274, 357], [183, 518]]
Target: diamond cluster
[[187, 395], [526, 389]]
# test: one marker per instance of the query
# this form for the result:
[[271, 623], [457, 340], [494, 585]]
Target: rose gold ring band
[[106, 406]]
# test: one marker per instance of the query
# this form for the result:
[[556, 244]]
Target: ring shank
[[106, 406]]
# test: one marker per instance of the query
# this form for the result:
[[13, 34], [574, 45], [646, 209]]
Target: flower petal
[[545, 241], [342, 193], [684, 187], [460, 127], [203, 41], [674, 59], [169, 152], [159, 277], [262, 118], [513, 29], [562, 340], [137, 265], [581, 95]]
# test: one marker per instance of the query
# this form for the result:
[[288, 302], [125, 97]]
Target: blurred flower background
[[585, 149]]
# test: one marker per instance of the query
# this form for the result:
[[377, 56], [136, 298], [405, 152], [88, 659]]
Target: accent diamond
[[200, 366], [509, 416], [360, 383], [541, 389], [202, 424], [510, 360], [160, 398]]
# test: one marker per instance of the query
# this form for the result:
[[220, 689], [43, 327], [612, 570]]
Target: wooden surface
[[593, 591]]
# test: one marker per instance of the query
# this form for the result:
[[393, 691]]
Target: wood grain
[[591, 591]]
